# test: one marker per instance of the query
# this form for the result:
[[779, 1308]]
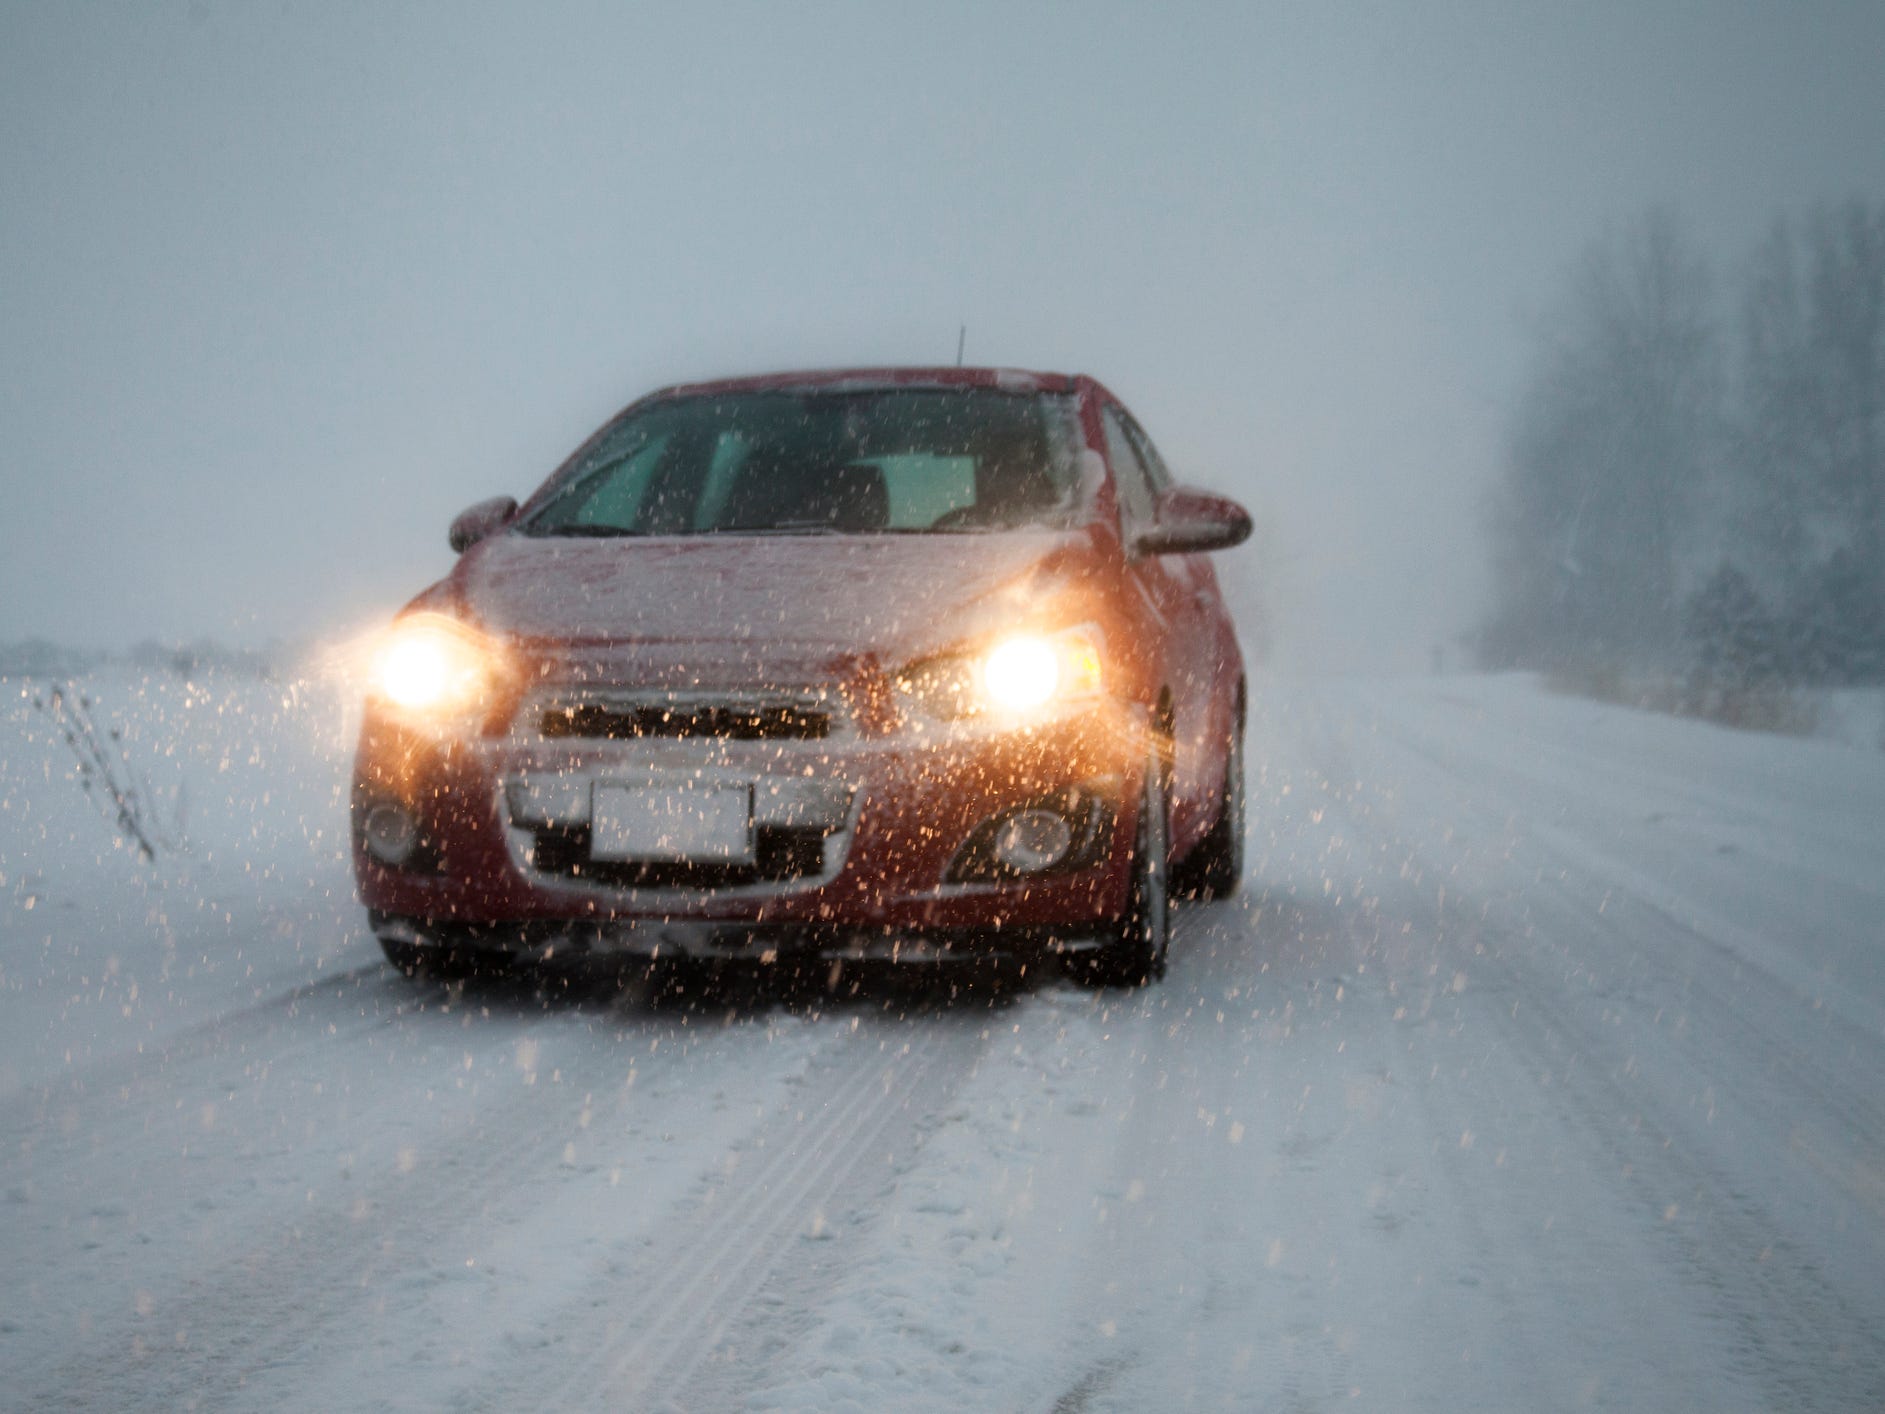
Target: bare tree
[[1777, 478], [1613, 445], [1848, 327], [1809, 458], [105, 773]]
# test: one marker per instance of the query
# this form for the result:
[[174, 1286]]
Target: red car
[[902, 663]]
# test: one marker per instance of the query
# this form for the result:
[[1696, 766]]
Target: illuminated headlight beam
[[430, 663], [1016, 677], [1021, 674]]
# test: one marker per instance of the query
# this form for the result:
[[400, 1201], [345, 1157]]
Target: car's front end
[[721, 800]]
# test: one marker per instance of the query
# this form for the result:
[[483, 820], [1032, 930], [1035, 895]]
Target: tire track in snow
[[1793, 1331], [261, 1305], [1146, 1249], [1851, 1092], [1609, 859], [1796, 1335], [217, 1035], [650, 1327], [63, 1119], [265, 1300], [1096, 1381]]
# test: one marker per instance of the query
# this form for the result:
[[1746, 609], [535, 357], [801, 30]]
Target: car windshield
[[870, 461]]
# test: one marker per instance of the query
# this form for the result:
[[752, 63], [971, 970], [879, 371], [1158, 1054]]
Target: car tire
[[1215, 867], [413, 959], [1134, 951], [441, 961]]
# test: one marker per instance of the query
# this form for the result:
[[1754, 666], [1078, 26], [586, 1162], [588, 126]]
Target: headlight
[[1020, 674], [433, 664], [1015, 676]]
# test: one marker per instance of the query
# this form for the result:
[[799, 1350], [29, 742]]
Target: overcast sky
[[284, 286]]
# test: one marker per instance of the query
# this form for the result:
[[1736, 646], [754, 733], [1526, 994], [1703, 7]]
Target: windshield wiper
[[592, 532], [779, 527]]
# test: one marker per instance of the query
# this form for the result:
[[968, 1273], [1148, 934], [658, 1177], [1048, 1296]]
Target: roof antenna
[[962, 338]]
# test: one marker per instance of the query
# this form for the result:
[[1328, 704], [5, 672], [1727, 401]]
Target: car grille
[[624, 717]]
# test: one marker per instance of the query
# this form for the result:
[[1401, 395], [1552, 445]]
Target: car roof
[[1013, 380]]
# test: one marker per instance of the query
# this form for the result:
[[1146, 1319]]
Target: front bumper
[[781, 944], [860, 850]]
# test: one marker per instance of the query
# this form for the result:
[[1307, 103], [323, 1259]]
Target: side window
[[1129, 474], [1155, 467]]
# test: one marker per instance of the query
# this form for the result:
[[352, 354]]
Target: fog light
[[1032, 840], [391, 833]]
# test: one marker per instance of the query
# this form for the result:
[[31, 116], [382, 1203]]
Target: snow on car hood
[[770, 599]]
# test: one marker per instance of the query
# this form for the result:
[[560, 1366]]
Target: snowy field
[[1541, 1066]]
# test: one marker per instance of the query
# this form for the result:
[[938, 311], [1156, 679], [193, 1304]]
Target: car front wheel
[[441, 961], [1215, 868], [1133, 953]]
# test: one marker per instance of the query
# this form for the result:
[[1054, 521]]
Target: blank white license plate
[[708, 822]]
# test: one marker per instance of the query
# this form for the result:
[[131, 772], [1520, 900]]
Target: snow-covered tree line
[[1695, 478]]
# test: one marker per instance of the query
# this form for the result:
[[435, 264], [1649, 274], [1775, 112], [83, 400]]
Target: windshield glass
[[857, 461]]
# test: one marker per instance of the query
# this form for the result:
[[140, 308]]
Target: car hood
[[771, 602]]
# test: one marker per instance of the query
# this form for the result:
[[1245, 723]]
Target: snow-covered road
[[1541, 1065]]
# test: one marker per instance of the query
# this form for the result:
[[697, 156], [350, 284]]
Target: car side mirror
[[1190, 522], [474, 523]]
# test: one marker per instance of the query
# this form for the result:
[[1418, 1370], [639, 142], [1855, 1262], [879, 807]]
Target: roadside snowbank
[[101, 952]]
